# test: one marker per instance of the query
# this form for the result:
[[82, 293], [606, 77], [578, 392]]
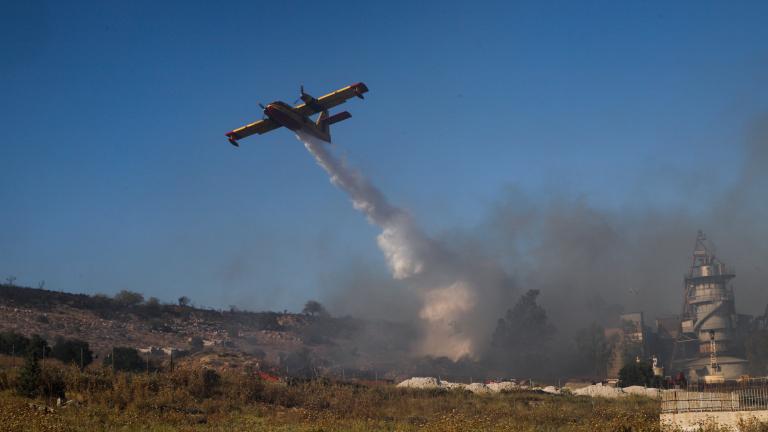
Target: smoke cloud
[[589, 262], [450, 291]]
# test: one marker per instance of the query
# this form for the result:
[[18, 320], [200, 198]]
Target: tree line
[[65, 350]]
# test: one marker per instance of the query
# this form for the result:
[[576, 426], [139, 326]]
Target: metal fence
[[743, 396]]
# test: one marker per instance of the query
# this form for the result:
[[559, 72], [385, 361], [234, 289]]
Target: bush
[[153, 308], [204, 384], [72, 351], [247, 389], [13, 343], [52, 383], [128, 298], [635, 373], [300, 363], [38, 347], [126, 359]]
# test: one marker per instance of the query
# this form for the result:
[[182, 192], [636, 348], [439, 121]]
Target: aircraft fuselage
[[284, 115]]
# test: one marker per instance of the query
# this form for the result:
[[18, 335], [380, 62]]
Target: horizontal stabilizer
[[338, 117]]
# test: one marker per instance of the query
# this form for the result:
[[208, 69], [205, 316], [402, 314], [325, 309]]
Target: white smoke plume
[[449, 298]]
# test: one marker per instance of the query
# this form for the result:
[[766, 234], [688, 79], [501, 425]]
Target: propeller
[[263, 115], [301, 95]]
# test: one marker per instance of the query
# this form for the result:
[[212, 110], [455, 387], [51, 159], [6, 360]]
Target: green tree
[[593, 350], [72, 351], [153, 307], [126, 359], [30, 378], [526, 324], [128, 298], [315, 308], [636, 373], [13, 344], [38, 346], [520, 341]]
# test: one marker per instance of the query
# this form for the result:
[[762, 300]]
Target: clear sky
[[116, 173]]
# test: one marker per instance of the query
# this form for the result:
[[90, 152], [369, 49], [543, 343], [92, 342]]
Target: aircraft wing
[[260, 127], [331, 99]]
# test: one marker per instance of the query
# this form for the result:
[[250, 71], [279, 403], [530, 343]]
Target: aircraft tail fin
[[322, 121]]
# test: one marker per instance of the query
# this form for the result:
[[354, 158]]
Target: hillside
[[288, 343]]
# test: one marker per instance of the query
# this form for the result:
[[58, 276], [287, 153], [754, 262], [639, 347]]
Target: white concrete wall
[[692, 421]]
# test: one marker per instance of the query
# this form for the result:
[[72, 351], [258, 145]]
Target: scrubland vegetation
[[205, 400], [65, 386], [51, 395]]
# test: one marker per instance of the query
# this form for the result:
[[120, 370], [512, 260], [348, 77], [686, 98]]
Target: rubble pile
[[477, 388], [594, 390], [502, 386], [599, 390], [643, 391], [422, 383]]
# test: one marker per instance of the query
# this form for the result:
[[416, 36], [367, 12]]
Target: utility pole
[[82, 364], [148, 360]]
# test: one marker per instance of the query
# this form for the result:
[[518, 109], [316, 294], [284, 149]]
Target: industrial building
[[705, 347], [703, 342], [629, 341]]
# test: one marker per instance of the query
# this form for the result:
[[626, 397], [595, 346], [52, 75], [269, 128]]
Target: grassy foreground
[[202, 400], [342, 408]]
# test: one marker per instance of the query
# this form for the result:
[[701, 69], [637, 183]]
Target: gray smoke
[[585, 258], [451, 290], [589, 262]]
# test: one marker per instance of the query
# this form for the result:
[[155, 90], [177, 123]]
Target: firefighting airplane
[[297, 118]]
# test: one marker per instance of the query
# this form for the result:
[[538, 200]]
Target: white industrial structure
[[705, 345]]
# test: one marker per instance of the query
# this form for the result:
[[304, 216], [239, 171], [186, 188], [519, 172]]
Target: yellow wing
[[332, 99], [259, 127]]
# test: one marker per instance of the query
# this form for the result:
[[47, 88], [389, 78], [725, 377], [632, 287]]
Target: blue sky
[[116, 174]]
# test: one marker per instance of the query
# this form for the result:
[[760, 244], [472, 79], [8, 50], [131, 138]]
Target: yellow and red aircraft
[[297, 118]]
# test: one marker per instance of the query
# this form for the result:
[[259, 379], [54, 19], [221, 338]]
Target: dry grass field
[[204, 400], [200, 400]]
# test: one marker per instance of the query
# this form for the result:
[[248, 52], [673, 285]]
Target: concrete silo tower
[[709, 318]]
